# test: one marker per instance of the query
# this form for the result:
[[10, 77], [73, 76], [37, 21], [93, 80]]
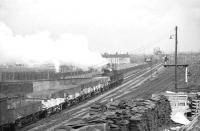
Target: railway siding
[[54, 122]]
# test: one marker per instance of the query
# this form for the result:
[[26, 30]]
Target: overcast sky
[[135, 26]]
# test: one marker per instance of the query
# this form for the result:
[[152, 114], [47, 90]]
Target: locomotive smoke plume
[[41, 48]]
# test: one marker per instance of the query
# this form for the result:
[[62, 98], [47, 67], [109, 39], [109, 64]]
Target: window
[[181, 104]]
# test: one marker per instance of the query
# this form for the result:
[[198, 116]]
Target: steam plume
[[41, 48]]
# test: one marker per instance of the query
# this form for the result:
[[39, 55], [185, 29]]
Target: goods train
[[115, 78]]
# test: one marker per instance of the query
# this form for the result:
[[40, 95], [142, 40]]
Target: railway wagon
[[87, 92], [13, 109], [24, 109], [65, 88]]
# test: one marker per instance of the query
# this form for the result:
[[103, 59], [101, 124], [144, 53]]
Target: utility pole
[[176, 42], [177, 65]]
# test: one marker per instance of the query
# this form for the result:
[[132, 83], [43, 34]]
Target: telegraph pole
[[177, 65], [176, 43]]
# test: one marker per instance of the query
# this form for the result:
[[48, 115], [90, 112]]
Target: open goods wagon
[[115, 77]]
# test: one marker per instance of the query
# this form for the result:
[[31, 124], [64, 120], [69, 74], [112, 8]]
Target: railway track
[[144, 90], [132, 78]]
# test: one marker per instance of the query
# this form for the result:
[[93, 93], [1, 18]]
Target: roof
[[25, 69], [2, 97], [106, 55]]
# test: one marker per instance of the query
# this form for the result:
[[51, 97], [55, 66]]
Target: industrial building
[[117, 59], [11, 73], [22, 88]]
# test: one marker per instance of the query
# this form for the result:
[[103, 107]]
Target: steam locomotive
[[115, 78]]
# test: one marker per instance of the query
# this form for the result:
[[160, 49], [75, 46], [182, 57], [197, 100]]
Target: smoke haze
[[135, 26], [41, 48]]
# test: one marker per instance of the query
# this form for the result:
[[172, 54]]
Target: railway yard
[[139, 83], [89, 65], [79, 101]]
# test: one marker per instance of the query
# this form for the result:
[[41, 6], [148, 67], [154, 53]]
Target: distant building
[[66, 68], [69, 68], [19, 72], [117, 58]]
